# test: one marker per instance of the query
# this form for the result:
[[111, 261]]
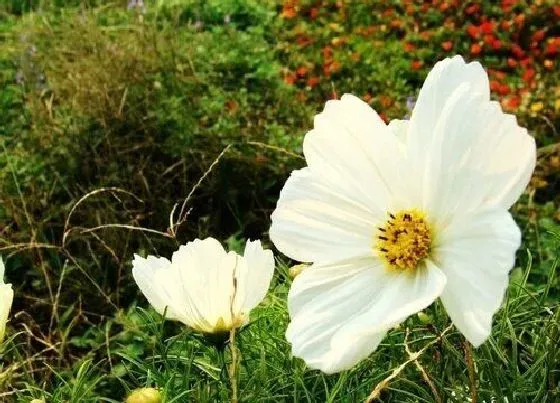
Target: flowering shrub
[[383, 50], [338, 42]]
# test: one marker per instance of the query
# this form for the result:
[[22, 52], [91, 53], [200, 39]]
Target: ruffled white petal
[[144, 272], [446, 76], [476, 252], [399, 128], [253, 275], [314, 222], [482, 157], [340, 312], [401, 294], [510, 155], [448, 176], [6, 298], [206, 273], [466, 152], [351, 150]]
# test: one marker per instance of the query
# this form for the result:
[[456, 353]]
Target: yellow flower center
[[405, 240]]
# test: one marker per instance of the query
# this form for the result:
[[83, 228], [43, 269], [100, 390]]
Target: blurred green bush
[[143, 102], [119, 98]]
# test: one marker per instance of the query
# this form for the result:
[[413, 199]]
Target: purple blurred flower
[[198, 25], [410, 102], [138, 4], [19, 77]]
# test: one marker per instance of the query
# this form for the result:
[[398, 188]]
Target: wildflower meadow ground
[[280, 200]]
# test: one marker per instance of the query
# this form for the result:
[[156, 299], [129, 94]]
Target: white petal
[[446, 76], [476, 253], [253, 274], [447, 174], [2, 268], [341, 312], [399, 128], [513, 160], [144, 272], [399, 295], [206, 274], [485, 157], [465, 151], [6, 298], [353, 152], [313, 222]]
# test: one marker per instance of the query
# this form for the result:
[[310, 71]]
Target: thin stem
[[421, 369], [232, 370], [469, 357], [412, 358], [184, 212]]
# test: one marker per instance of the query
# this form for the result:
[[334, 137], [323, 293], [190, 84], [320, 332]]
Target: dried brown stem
[[184, 213], [421, 369], [470, 367], [413, 357]]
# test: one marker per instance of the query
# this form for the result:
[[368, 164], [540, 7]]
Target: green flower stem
[[233, 367]]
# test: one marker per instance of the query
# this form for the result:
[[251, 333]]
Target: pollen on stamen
[[405, 240]]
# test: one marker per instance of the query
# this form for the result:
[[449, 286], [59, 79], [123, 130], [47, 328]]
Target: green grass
[[136, 348], [97, 97]]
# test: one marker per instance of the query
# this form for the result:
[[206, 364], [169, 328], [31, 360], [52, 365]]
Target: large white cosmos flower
[[205, 287], [6, 298], [394, 216]]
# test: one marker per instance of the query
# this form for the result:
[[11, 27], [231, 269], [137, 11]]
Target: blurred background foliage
[[140, 98]]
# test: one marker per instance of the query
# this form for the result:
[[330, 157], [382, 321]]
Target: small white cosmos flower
[[394, 216], [6, 298], [205, 287]]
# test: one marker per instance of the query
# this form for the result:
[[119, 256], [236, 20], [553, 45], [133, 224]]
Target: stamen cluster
[[405, 240]]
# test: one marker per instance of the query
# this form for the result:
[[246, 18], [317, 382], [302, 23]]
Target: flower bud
[[144, 395], [297, 269]]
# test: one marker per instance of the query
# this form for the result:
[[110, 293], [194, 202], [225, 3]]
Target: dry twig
[[183, 213], [472, 375], [413, 357], [421, 369]]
